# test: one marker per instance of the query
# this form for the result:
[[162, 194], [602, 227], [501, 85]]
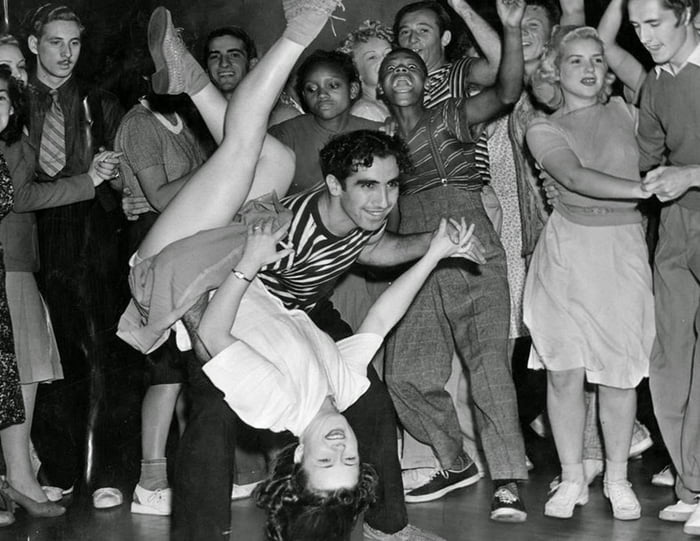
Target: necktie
[[52, 153]]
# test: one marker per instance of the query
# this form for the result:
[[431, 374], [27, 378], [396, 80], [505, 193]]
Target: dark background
[[115, 40]]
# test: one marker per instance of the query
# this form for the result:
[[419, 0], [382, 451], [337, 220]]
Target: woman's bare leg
[[15, 448], [566, 408], [217, 190]]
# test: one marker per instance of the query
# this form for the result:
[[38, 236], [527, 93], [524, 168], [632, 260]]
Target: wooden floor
[[462, 515]]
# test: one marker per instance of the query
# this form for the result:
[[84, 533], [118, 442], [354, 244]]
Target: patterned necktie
[[52, 153]]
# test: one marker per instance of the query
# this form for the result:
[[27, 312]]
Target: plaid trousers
[[461, 306]]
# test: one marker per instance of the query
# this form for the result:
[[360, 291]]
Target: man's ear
[[252, 63], [354, 90], [687, 19], [335, 188], [446, 38], [299, 453], [33, 44]]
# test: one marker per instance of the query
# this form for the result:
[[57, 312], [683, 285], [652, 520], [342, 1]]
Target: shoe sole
[[691, 529], [674, 516], [140, 509], [632, 516], [508, 515], [156, 37], [422, 498]]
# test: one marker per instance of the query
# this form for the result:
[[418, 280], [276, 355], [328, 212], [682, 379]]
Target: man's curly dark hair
[[346, 153], [295, 512]]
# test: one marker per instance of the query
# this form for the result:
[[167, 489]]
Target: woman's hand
[[455, 239], [104, 166], [261, 246], [550, 188]]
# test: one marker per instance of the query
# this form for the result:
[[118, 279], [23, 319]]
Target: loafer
[[241, 492], [664, 478], [107, 497]]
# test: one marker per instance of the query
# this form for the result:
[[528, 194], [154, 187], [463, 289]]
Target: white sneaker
[[416, 477], [624, 502], [152, 502], [565, 496], [678, 512], [664, 478], [692, 525], [241, 492]]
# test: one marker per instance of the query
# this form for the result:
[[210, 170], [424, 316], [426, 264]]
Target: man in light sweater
[[668, 135]]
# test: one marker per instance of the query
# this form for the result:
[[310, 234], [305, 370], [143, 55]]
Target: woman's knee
[[565, 381]]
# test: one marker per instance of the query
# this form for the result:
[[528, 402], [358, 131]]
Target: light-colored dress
[[588, 295]]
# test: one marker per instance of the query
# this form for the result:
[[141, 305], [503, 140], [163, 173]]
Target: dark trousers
[[205, 459], [95, 407], [204, 463], [373, 419]]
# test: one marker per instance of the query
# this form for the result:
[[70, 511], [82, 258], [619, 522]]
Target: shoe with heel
[[7, 509], [34, 508]]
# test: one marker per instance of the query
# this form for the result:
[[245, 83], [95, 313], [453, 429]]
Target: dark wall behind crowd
[[114, 52]]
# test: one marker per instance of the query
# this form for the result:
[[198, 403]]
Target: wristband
[[238, 274]]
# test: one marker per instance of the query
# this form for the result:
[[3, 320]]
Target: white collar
[[174, 128], [693, 58]]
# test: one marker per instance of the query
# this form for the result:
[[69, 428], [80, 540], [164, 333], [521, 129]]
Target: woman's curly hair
[[15, 90], [297, 513], [545, 80], [368, 29]]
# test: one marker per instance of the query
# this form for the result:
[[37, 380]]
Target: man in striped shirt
[[459, 307], [425, 28]]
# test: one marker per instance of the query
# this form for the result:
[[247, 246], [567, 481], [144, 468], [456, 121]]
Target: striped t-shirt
[[308, 275]]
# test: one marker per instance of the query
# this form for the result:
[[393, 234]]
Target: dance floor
[[462, 515]]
